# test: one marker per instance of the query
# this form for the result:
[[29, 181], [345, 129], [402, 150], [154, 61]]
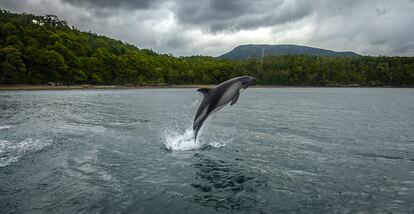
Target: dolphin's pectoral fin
[[235, 98], [204, 91]]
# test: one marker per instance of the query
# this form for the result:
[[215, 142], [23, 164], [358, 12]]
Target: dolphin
[[216, 98]]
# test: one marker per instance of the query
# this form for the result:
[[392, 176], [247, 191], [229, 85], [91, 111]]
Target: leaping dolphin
[[217, 97]]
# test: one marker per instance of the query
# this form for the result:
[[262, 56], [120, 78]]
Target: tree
[[50, 66], [11, 65]]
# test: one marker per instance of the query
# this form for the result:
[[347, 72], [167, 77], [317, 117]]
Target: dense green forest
[[41, 49]]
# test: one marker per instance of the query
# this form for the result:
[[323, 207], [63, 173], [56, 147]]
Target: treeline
[[334, 71], [41, 49]]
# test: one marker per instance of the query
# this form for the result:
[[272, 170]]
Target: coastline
[[91, 87], [113, 87]]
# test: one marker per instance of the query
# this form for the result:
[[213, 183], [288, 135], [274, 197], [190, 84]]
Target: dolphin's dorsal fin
[[235, 98], [204, 91]]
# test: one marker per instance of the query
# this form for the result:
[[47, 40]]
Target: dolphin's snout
[[249, 82], [253, 81]]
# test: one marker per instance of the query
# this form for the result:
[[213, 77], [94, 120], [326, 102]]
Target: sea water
[[281, 150]]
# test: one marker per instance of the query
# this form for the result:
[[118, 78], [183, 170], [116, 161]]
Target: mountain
[[255, 51]]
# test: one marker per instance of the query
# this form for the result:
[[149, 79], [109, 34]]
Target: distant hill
[[255, 51]]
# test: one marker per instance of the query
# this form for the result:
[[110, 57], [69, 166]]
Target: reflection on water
[[227, 186]]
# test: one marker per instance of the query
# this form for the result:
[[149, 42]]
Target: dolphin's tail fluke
[[196, 128], [195, 135]]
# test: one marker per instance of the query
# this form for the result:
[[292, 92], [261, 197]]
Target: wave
[[372, 155], [11, 152], [4, 127]]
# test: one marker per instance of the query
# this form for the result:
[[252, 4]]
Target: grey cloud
[[234, 15], [115, 4], [368, 27], [407, 49], [10, 4], [382, 11]]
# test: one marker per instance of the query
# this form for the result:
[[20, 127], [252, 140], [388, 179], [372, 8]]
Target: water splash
[[178, 141], [183, 140]]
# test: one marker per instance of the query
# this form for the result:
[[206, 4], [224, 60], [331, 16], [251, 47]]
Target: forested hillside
[[40, 49]]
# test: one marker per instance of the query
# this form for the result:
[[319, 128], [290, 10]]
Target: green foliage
[[40, 49], [11, 65]]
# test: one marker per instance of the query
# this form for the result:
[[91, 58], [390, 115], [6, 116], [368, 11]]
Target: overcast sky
[[213, 27]]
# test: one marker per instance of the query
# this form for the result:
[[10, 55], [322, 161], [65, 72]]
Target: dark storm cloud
[[115, 4], [382, 11], [233, 15], [211, 27], [10, 5]]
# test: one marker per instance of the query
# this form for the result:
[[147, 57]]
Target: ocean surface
[[281, 150]]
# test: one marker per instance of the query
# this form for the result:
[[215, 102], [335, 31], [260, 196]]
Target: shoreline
[[113, 87], [91, 87]]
